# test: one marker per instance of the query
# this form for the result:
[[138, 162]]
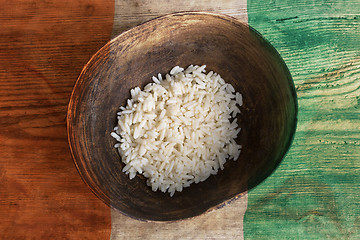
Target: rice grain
[[180, 129]]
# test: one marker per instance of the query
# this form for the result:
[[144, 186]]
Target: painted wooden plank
[[129, 13], [225, 223], [314, 194], [43, 47]]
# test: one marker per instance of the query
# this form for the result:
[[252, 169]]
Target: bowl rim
[[80, 81]]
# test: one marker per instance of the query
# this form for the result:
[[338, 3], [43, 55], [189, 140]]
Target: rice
[[180, 129]]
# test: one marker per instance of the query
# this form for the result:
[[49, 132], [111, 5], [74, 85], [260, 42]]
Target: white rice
[[177, 131]]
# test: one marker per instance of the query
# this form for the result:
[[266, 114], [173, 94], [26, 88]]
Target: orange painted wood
[[43, 47]]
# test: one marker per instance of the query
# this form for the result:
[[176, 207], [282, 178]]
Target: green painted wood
[[315, 192]]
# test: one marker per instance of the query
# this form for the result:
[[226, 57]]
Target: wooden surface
[[43, 47], [225, 223], [314, 194], [129, 13]]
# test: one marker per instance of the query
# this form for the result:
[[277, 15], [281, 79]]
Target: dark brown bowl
[[235, 51]]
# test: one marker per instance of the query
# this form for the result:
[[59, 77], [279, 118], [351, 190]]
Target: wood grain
[[312, 195], [315, 192], [129, 13], [225, 223], [43, 47]]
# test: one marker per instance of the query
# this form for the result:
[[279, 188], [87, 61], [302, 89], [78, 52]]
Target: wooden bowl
[[231, 48]]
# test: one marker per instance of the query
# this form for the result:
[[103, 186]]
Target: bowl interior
[[232, 49]]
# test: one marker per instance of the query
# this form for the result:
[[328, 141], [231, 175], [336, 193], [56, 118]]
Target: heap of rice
[[177, 131]]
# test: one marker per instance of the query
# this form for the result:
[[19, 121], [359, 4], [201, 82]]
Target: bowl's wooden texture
[[232, 49]]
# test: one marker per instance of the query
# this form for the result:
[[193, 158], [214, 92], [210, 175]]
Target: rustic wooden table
[[314, 194]]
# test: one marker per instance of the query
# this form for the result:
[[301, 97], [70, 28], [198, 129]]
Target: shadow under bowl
[[234, 50]]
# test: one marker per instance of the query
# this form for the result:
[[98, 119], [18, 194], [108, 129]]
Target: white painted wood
[[129, 13], [224, 223]]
